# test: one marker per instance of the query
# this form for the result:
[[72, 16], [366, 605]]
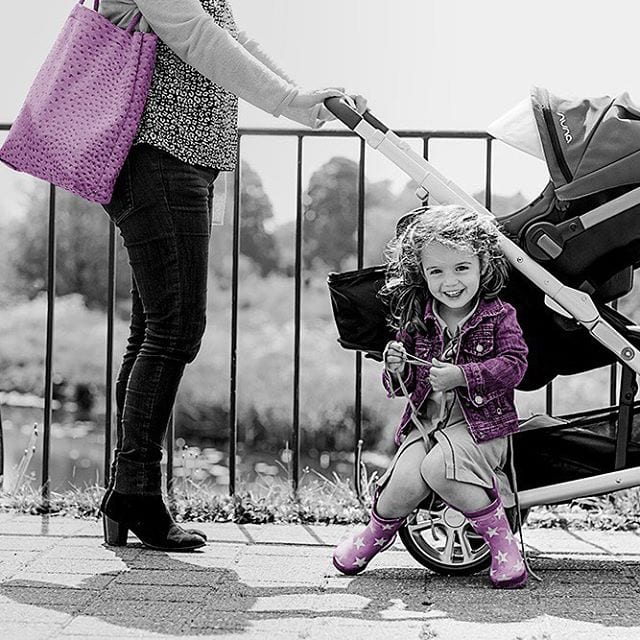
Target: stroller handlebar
[[342, 110]]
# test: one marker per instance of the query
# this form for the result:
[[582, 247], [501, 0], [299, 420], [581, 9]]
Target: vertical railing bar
[[613, 376], [48, 368], [111, 309], [170, 442], [488, 174], [548, 399], [1, 452], [358, 372], [425, 155], [295, 434], [233, 364]]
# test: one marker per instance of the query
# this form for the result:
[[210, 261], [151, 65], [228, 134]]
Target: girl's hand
[[445, 376], [395, 357]]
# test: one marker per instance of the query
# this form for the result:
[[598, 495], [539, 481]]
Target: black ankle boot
[[197, 532], [148, 518]]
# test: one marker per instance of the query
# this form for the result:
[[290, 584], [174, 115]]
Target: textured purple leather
[[81, 114]]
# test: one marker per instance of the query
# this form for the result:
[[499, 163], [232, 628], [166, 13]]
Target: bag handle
[[133, 23]]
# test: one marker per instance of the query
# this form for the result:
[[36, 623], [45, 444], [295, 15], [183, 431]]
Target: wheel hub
[[453, 518]]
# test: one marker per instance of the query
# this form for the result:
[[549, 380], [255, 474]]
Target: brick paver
[[57, 580]]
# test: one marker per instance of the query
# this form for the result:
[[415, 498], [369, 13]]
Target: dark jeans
[[162, 208]]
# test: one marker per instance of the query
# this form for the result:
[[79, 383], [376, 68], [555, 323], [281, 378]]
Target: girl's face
[[453, 276]]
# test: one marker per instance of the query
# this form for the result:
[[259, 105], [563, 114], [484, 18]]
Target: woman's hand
[[309, 99], [444, 376], [395, 357], [305, 99]]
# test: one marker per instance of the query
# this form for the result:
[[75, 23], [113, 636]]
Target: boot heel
[[115, 534]]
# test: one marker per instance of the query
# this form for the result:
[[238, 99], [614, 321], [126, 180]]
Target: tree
[[331, 214], [257, 242], [82, 237], [255, 214]]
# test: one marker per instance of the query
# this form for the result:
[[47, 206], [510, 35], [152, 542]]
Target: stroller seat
[[585, 226], [599, 261]]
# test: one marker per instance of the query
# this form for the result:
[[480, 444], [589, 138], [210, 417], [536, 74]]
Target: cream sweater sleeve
[[256, 50], [190, 32]]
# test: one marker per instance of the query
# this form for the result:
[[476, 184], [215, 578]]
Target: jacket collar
[[484, 309]]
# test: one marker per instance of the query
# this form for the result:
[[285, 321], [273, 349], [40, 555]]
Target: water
[[77, 454]]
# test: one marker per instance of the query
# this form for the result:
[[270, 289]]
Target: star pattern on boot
[[502, 557], [358, 543], [492, 531], [518, 566], [387, 527], [509, 537], [359, 562], [380, 542]]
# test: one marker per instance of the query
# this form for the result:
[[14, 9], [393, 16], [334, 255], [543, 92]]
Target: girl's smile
[[452, 275]]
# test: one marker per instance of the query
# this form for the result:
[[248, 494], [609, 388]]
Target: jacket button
[[499, 411], [478, 399], [479, 348]]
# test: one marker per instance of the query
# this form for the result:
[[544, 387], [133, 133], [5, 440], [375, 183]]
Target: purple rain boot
[[353, 554], [508, 570]]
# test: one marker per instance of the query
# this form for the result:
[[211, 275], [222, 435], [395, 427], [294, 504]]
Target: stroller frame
[[561, 298]]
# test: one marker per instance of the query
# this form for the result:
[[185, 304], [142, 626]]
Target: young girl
[[458, 355]]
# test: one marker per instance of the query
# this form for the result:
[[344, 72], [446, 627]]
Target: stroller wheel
[[441, 539]]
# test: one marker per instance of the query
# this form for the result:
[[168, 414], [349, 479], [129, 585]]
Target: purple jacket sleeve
[[492, 377], [390, 381]]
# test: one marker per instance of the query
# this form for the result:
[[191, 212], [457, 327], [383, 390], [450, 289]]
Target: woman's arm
[[256, 50], [192, 34]]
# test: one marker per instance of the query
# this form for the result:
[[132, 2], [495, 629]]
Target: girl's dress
[[444, 424]]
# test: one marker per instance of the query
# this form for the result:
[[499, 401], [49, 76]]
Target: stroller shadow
[[158, 593]]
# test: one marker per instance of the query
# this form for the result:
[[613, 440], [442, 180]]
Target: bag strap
[[133, 23], [96, 4]]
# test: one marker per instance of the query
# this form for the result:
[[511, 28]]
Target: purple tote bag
[[82, 112]]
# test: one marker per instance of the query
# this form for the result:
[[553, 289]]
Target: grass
[[319, 500]]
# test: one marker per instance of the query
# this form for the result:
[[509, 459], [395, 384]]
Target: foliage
[[82, 240], [331, 212], [79, 340], [256, 215], [319, 500]]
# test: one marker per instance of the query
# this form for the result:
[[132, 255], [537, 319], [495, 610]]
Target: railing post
[[295, 431], [1, 453], [358, 443], [170, 441], [233, 372], [48, 370], [488, 174], [111, 309]]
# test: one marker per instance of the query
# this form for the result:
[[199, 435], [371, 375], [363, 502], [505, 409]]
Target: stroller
[[573, 250]]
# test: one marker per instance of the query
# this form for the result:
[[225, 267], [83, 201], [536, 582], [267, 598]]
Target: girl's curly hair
[[453, 226]]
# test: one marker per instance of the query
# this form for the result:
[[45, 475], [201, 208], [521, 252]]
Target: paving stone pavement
[[57, 580]]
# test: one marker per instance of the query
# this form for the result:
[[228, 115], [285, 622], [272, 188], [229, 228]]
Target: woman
[[162, 207]]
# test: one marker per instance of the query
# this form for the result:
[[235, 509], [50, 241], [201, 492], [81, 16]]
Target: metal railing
[[300, 137]]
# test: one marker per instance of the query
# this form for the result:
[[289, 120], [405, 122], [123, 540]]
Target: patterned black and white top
[[188, 115]]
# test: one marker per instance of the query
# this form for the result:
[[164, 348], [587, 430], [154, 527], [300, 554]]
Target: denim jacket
[[493, 357]]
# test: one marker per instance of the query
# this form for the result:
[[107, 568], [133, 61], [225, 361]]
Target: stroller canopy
[[589, 144]]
